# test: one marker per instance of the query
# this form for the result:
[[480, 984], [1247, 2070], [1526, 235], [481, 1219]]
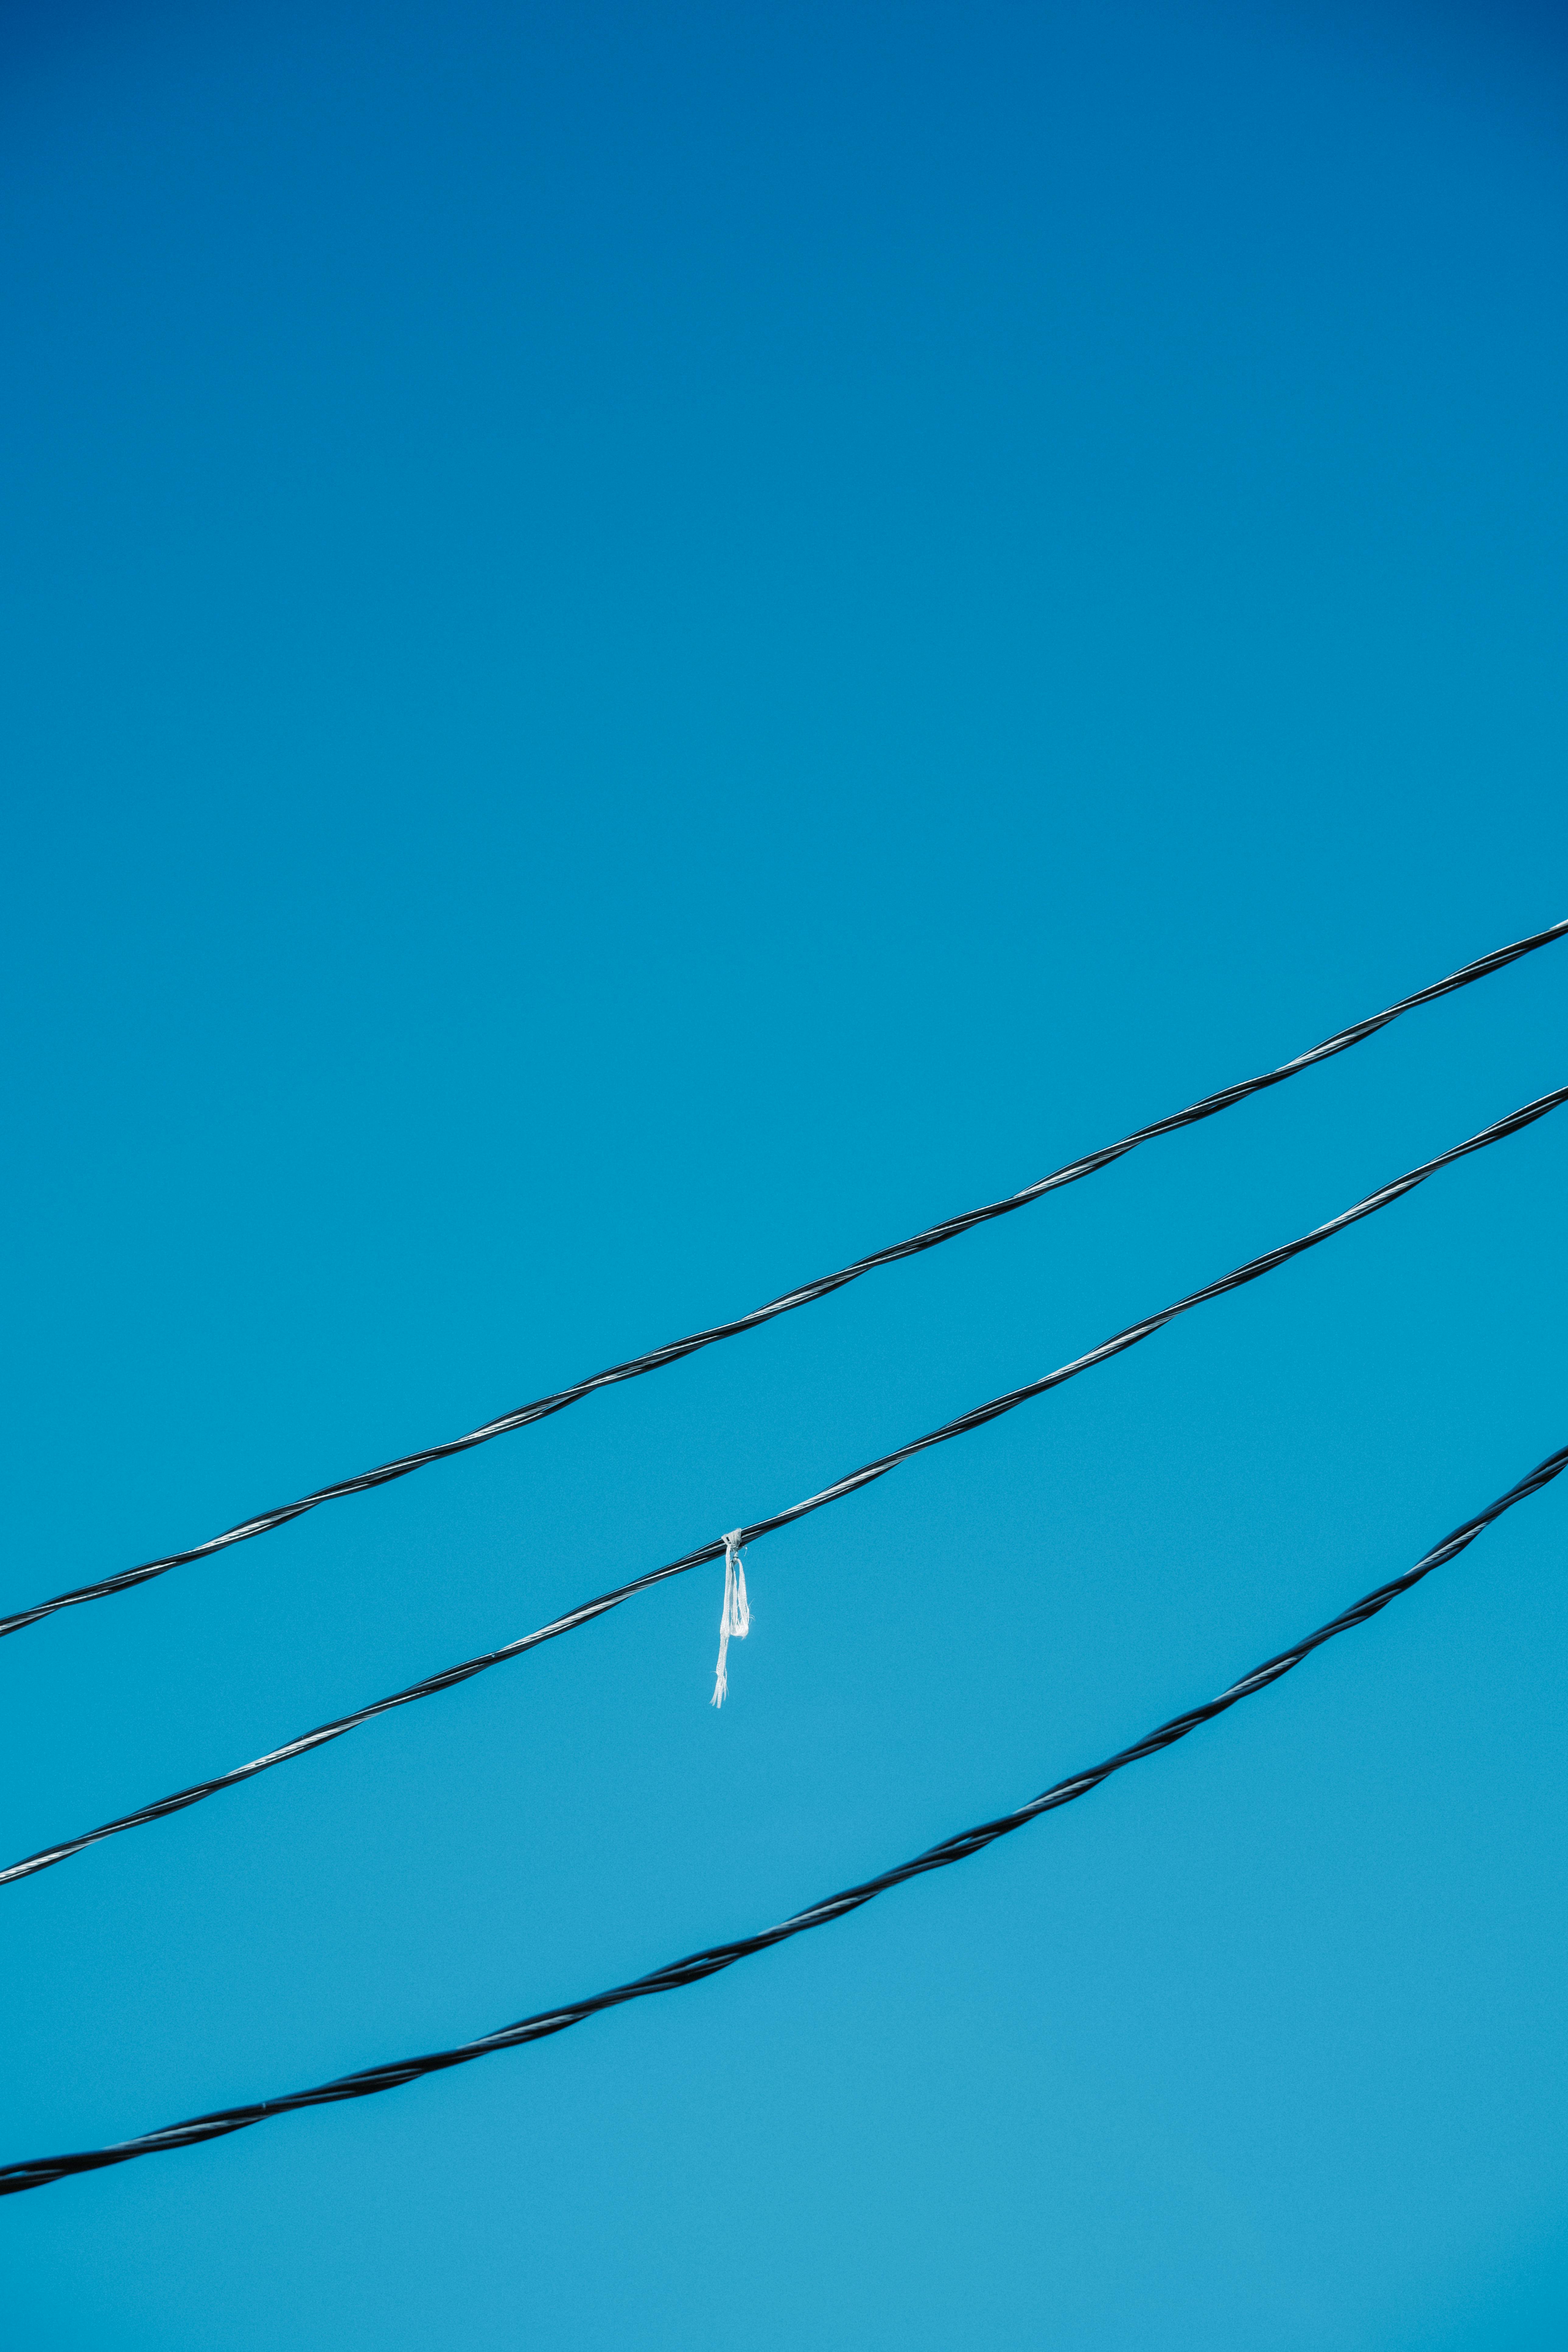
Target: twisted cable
[[655, 1358], [38, 2172]]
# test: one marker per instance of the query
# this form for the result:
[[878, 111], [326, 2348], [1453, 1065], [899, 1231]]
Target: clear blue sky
[[645, 647]]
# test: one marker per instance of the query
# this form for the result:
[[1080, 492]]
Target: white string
[[736, 1617]]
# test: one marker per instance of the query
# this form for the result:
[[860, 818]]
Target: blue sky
[[644, 648]]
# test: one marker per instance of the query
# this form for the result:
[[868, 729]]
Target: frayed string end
[[736, 1617]]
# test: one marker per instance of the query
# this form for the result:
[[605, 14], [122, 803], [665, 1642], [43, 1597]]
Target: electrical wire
[[450, 1676], [38, 2172], [675, 1350]]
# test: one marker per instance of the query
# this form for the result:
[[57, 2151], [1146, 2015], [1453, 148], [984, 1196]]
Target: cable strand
[[40, 2171], [978, 1417], [674, 1351]]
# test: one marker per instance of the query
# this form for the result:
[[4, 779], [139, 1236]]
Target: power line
[[450, 1676], [672, 1353], [40, 2171]]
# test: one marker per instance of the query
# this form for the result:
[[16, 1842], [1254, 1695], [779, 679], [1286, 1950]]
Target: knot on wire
[[736, 1617]]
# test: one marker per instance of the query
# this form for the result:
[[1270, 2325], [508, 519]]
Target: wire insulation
[[40, 2171], [724, 1546], [672, 1353]]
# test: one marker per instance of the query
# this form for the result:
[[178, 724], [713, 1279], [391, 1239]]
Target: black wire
[[975, 1419], [40, 2171], [656, 1358]]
